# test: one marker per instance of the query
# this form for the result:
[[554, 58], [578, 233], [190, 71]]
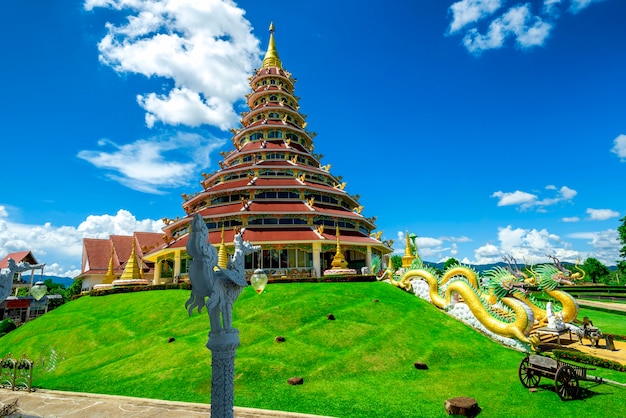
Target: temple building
[[274, 188], [119, 257]]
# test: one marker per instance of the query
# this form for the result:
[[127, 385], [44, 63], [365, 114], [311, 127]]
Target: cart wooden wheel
[[566, 383], [528, 376]]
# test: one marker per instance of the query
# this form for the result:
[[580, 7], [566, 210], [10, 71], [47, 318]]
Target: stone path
[[53, 404]]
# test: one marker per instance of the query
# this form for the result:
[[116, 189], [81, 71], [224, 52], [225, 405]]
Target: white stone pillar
[[157, 272], [317, 250], [176, 265], [368, 258]]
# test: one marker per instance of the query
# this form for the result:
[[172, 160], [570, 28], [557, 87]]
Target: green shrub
[[7, 326]]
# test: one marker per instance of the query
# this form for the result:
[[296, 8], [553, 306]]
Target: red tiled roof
[[277, 181], [336, 211], [278, 207], [96, 255], [264, 236], [222, 209], [279, 163], [18, 257], [353, 237], [287, 235], [227, 185], [97, 252]]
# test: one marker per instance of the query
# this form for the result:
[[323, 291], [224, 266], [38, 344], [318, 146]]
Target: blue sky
[[486, 127]]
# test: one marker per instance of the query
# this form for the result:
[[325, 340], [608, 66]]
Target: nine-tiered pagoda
[[274, 189]]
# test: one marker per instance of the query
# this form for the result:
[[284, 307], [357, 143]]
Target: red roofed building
[[104, 260], [274, 188]]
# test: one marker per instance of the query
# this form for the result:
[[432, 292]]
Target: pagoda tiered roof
[[271, 185]]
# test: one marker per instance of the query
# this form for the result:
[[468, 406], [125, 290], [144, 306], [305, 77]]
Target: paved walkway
[[52, 404], [607, 305]]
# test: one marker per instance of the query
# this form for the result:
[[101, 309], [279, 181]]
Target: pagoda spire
[[408, 257], [131, 270], [271, 56], [110, 276], [339, 261], [222, 256]]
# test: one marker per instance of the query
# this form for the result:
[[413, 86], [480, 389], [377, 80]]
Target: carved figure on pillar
[[218, 288], [222, 286]]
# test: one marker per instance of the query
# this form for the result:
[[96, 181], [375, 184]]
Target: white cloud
[[515, 198], [577, 5], [150, 165], [205, 47], [533, 246], [466, 12], [619, 147], [527, 200], [570, 219], [601, 214], [60, 247], [605, 245], [518, 22]]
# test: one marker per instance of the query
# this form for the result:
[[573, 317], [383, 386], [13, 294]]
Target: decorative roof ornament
[[271, 56]]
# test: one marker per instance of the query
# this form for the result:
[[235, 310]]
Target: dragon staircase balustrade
[[500, 299]]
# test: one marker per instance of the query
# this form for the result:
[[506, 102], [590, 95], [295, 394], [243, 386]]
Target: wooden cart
[[566, 376]]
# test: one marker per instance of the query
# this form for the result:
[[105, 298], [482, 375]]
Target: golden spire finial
[[339, 261], [408, 257], [110, 276], [222, 255], [271, 56], [131, 270]]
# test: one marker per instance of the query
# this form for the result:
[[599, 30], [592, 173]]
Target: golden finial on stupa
[[408, 256], [110, 276], [271, 56], [339, 261], [131, 270], [222, 256]]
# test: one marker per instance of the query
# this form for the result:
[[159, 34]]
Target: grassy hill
[[359, 365]]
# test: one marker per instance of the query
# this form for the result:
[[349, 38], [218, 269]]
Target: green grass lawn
[[607, 322], [360, 365]]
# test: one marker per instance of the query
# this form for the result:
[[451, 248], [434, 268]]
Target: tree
[[596, 271], [74, 289], [396, 261], [621, 265], [450, 262]]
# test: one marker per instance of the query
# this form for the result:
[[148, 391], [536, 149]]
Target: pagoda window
[[272, 81], [292, 136], [364, 230], [264, 82], [274, 134], [288, 195], [262, 99], [273, 98], [266, 195], [255, 136], [275, 156], [247, 158], [292, 221], [273, 115]]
